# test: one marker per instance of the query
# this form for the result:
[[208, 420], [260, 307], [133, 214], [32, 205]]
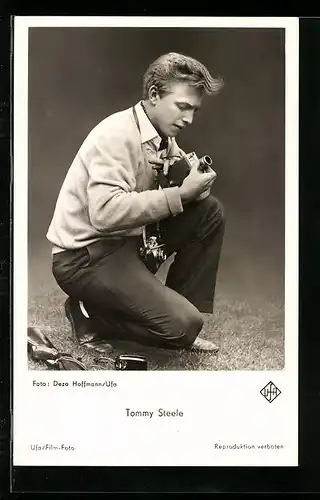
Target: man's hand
[[195, 184], [163, 163], [155, 162], [168, 157]]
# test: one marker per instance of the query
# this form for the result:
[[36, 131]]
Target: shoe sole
[[214, 350]]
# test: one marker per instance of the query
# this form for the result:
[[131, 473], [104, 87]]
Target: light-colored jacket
[[109, 188]]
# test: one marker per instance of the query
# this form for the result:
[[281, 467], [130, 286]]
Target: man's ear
[[153, 94]]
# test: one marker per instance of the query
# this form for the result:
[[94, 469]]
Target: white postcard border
[[38, 411]]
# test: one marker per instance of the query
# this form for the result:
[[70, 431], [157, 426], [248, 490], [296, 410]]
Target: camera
[[152, 251], [181, 168]]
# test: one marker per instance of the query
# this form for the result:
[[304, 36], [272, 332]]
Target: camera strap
[[144, 234]]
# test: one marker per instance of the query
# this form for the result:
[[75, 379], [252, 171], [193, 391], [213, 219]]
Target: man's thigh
[[122, 283], [198, 219]]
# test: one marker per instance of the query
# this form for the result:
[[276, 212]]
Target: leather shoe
[[82, 328], [202, 345], [40, 348]]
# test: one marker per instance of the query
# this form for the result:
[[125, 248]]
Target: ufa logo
[[270, 392]]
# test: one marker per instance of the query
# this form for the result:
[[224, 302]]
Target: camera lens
[[206, 160]]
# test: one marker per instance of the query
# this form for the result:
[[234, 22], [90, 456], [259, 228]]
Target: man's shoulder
[[119, 124], [116, 132]]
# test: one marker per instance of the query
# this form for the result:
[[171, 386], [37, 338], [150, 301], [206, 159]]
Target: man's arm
[[112, 202]]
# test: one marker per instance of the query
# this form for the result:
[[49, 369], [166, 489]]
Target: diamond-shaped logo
[[270, 392]]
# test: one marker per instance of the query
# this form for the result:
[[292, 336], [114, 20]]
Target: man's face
[[175, 110]]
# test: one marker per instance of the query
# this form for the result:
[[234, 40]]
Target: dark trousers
[[127, 301]]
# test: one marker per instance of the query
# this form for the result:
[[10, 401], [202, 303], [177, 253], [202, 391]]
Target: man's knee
[[185, 327]]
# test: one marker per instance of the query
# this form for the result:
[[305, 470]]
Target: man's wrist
[[174, 200], [183, 195]]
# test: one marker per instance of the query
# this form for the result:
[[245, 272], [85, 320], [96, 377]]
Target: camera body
[[181, 168], [152, 252]]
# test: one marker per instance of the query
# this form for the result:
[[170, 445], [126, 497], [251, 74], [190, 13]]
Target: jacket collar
[[148, 132]]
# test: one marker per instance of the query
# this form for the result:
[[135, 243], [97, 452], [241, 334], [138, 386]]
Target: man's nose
[[188, 117]]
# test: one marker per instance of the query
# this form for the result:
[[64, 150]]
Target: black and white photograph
[[127, 253], [156, 172]]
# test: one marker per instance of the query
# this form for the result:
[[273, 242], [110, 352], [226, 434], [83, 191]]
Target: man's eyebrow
[[188, 105]]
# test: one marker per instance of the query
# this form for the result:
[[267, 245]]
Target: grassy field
[[249, 332]]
